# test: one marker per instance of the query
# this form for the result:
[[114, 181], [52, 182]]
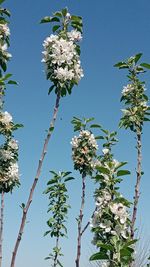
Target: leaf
[[1, 1], [99, 137], [12, 82], [5, 11], [69, 179], [99, 256], [64, 11], [46, 233], [137, 57], [58, 14], [49, 19], [121, 65], [51, 89], [102, 170], [105, 246], [55, 28], [121, 164], [95, 126], [123, 172], [145, 65], [51, 129], [45, 20], [7, 76]]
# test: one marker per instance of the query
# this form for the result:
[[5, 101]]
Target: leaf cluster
[[63, 20]]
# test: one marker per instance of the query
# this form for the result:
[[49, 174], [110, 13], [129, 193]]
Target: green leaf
[[145, 65], [45, 20], [99, 137], [69, 179], [105, 246], [123, 172], [51, 89], [12, 82], [99, 256], [137, 57], [95, 126], [121, 164], [55, 28], [46, 233], [5, 11], [49, 19], [102, 170], [58, 14], [64, 11], [121, 65], [2, 1], [7, 76]]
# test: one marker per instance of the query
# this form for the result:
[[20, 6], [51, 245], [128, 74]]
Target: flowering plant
[[62, 52], [110, 222]]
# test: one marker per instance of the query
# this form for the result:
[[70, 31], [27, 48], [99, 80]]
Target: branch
[[88, 223], [26, 208], [1, 226], [77, 261], [137, 186]]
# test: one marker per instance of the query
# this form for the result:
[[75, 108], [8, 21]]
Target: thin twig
[[80, 219], [26, 208], [1, 227], [137, 186], [88, 223]]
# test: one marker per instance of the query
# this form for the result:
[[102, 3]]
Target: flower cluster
[[6, 123], [62, 59], [9, 171], [84, 149], [110, 222], [4, 41], [133, 95]]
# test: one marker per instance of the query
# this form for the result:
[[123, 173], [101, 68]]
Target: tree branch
[[137, 186], [1, 226], [80, 219], [26, 208]]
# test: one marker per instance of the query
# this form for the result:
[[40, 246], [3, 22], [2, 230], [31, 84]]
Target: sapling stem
[[39, 168]]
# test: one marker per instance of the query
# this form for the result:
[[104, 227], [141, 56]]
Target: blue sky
[[113, 30]]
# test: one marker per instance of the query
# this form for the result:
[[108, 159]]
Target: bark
[[80, 219], [56, 254], [28, 203], [138, 180], [1, 227]]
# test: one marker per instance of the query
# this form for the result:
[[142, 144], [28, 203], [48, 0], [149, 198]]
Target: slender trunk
[[26, 208], [137, 186], [1, 227], [80, 219], [56, 253]]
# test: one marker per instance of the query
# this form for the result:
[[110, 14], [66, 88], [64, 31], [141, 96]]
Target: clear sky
[[113, 30]]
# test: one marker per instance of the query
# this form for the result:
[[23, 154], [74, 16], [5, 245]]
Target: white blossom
[[13, 172], [13, 144], [105, 151], [120, 212], [6, 155], [60, 55], [127, 89], [6, 118], [4, 30], [74, 35], [64, 74]]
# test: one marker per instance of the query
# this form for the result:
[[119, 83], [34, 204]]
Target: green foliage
[[58, 208], [133, 95], [82, 124], [109, 225], [64, 21]]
